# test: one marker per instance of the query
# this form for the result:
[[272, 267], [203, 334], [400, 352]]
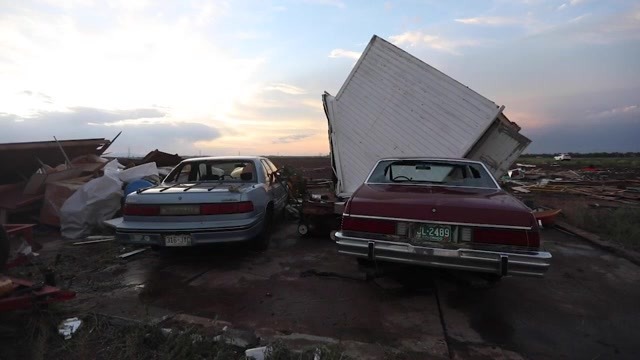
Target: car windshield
[[213, 170], [438, 172]]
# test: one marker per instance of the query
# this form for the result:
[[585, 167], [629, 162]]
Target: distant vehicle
[[444, 213], [206, 200], [562, 157]]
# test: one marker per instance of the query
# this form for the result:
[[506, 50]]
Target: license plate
[[177, 240], [431, 232]]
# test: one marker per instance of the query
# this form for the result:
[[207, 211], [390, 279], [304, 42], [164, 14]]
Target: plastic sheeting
[[94, 202], [99, 200]]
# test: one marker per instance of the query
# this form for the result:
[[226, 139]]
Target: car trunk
[[457, 216], [439, 203], [189, 202]]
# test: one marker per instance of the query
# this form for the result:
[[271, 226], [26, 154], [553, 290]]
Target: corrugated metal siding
[[393, 104]]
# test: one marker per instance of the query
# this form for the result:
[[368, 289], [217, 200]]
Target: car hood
[[440, 203]]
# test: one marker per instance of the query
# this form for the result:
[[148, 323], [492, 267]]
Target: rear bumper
[[199, 236], [525, 263]]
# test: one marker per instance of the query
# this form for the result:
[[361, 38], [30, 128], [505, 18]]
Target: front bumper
[[199, 236], [524, 263]]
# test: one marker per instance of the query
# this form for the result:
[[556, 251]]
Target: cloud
[[341, 53], [128, 59], [286, 88], [622, 111], [337, 3], [84, 115], [617, 27], [138, 136], [489, 21], [291, 138], [570, 3], [38, 95], [418, 38]]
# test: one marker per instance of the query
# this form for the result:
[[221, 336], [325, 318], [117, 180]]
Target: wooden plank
[[112, 238], [131, 253]]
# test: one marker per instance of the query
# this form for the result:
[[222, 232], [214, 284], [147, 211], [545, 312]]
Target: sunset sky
[[229, 77]]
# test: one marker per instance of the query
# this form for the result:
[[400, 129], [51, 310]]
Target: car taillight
[[226, 208], [506, 237], [368, 225], [141, 210]]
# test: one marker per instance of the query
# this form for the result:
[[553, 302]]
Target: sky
[[246, 77]]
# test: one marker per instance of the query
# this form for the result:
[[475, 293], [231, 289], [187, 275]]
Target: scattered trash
[[516, 173], [238, 337], [131, 253], [68, 327], [256, 353]]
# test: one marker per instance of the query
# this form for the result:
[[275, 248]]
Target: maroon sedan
[[445, 213]]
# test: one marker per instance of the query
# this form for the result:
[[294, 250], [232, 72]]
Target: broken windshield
[[213, 170], [435, 172]]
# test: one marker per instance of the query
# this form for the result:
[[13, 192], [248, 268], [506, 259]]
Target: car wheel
[[303, 229], [4, 247], [261, 242]]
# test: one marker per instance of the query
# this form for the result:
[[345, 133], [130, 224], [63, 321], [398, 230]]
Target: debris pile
[[588, 182], [72, 184]]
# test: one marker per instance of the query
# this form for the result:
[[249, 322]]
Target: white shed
[[394, 104]]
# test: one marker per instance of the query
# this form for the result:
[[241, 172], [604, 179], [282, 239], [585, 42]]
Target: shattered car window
[[431, 172], [213, 170]]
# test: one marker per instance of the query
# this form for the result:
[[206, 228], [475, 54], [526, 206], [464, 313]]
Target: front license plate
[[177, 240], [431, 232]]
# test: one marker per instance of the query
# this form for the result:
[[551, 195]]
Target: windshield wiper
[[169, 187], [192, 186]]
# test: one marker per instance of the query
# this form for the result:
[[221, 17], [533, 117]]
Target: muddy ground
[[302, 293]]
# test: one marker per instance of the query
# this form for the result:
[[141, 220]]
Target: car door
[[277, 189]]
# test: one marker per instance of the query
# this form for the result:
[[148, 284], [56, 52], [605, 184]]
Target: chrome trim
[[439, 222], [495, 262], [430, 184], [436, 159]]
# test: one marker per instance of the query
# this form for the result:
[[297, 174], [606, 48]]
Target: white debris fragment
[[256, 353], [68, 327]]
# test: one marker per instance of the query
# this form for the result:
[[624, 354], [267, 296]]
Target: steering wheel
[[401, 177]]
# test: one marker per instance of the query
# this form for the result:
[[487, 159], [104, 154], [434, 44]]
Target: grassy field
[[578, 162]]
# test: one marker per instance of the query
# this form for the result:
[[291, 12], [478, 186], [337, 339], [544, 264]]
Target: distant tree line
[[589, 155]]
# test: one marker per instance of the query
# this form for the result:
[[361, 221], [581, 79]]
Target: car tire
[[261, 242], [4, 247], [303, 229]]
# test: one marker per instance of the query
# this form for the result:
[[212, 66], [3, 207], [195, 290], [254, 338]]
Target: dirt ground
[[301, 292]]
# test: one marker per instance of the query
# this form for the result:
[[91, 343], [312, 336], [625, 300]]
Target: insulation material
[[55, 195], [96, 201]]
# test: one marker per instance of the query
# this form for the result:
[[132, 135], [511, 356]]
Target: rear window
[[431, 172], [213, 170]]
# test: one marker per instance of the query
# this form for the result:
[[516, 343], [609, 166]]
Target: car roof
[[206, 158], [433, 159]]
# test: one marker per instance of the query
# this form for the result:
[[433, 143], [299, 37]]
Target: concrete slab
[[586, 307]]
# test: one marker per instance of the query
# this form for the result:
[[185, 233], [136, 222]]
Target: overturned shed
[[392, 104], [19, 161]]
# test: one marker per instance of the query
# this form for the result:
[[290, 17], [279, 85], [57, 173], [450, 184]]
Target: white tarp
[[99, 199]]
